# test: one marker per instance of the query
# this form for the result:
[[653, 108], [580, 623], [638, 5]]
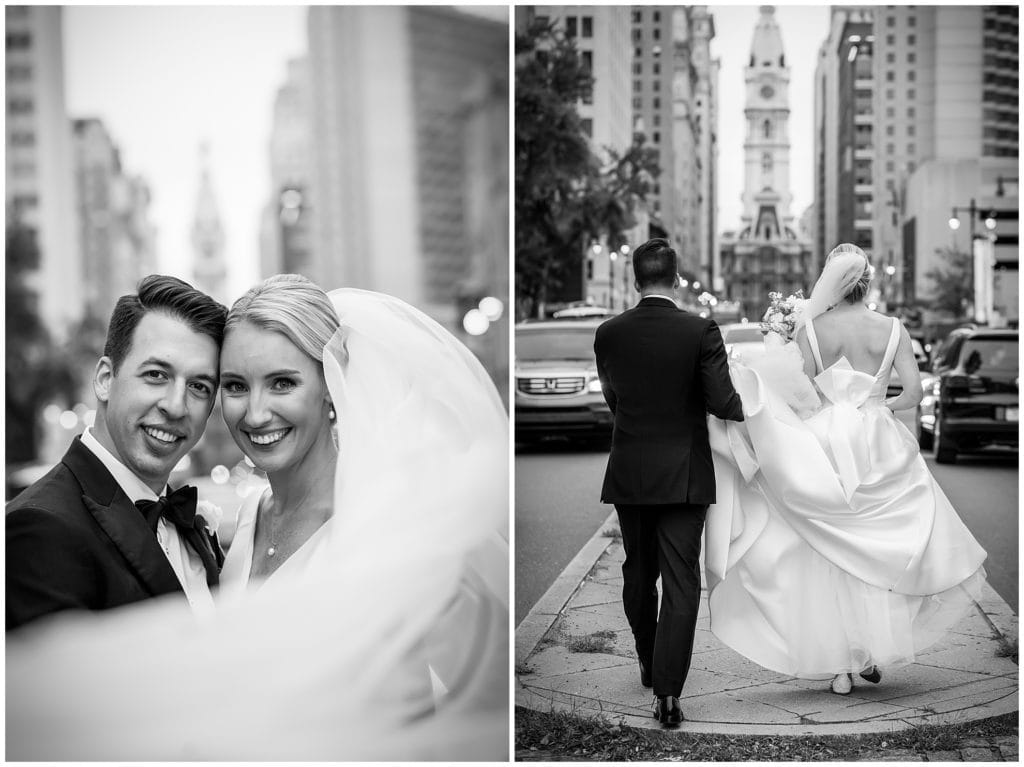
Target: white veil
[[845, 267], [329, 667]]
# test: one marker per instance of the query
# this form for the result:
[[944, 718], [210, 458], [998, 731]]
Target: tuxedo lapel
[[121, 521]]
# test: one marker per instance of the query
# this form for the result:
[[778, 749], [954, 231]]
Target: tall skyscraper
[[116, 236], [766, 254], [40, 177], [675, 104], [404, 102], [209, 268]]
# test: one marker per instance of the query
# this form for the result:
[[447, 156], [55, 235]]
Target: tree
[[563, 196], [952, 282]]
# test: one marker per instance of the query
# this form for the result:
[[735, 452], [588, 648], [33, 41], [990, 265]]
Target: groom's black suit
[[662, 371], [75, 540]]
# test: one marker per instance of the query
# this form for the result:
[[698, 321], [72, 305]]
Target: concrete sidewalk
[[562, 665]]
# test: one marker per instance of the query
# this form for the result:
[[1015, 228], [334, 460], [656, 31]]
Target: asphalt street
[[558, 509]]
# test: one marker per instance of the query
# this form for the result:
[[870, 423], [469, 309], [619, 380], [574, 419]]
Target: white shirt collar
[[659, 295], [133, 487]]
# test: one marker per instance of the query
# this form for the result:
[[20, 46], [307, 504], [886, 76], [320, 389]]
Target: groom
[[662, 371], [100, 530]]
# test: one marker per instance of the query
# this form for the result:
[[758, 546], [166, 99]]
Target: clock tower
[[766, 253], [766, 195]]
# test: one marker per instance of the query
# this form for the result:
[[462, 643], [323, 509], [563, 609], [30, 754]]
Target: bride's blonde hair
[[859, 289]]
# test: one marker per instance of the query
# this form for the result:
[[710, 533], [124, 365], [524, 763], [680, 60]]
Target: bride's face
[[273, 397]]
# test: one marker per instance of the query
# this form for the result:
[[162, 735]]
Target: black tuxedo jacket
[[75, 540], [662, 370]]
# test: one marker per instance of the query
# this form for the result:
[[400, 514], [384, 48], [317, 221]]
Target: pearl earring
[[331, 415]]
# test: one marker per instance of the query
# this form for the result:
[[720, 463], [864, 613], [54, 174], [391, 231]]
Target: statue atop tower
[[209, 269]]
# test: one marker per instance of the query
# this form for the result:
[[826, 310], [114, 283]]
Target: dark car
[[976, 393], [557, 391]]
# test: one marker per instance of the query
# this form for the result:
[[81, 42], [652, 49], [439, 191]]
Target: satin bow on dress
[[831, 547]]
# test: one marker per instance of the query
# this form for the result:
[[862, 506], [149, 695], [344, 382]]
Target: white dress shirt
[[183, 560]]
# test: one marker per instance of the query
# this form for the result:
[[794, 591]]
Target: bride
[[364, 610], [832, 551]]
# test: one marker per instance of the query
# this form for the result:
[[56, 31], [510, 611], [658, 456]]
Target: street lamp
[[612, 255], [954, 223]]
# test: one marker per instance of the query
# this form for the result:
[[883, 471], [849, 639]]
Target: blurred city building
[[408, 190], [208, 267], [117, 238], [285, 240], [674, 103], [767, 253], [40, 174], [938, 108]]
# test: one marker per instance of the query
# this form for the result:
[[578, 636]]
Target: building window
[[657, 16], [890, 21], [911, 149], [588, 26], [889, 130], [911, 112], [911, 21], [890, 94], [20, 106], [890, 58], [657, 68], [637, 103], [656, 85], [19, 40], [638, 16], [656, 136], [890, 149], [656, 102], [637, 52], [890, 76], [911, 75], [890, 112], [588, 60], [657, 120], [638, 86], [19, 72], [588, 127], [911, 39], [910, 130], [766, 129], [890, 166], [638, 68], [766, 163], [911, 57], [637, 35], [911, 94], [890, 39], [570, 26]]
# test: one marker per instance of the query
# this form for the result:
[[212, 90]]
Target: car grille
[[554, 385]]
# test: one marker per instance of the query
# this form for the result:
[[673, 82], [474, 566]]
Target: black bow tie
[[178, 507]]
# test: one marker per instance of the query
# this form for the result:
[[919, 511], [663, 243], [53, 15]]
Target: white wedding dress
[[326, 659], [831, 547]]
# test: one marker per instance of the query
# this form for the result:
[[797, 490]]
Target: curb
[[547, 609]]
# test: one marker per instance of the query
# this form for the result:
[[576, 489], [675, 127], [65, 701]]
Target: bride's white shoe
[[842, 684]]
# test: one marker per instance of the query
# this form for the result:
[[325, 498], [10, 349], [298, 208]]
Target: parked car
[[743, 338], [583, 312], [975, 393], [557, 391]]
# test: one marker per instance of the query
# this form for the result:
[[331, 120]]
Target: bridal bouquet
[[783, 314]]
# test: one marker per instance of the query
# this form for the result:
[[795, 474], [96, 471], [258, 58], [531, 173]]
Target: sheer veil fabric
[[321, 667]]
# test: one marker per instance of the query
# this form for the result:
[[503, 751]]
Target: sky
[[804, 28], [163, 80]]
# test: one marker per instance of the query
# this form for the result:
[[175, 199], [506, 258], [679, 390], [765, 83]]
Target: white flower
[[776, 317], [211, 514]]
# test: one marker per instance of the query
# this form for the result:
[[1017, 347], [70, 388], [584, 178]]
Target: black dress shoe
[[872, 675], [645, 674], [667, 711]]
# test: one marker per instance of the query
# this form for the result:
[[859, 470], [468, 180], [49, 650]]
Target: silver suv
[[557, 391]]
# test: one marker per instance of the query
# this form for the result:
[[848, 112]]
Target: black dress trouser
[[662, 540]]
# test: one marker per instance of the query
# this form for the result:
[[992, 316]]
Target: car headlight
[[594, 386]]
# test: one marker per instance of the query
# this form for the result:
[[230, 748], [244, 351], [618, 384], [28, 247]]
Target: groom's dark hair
[[160, 293], [655, 263]]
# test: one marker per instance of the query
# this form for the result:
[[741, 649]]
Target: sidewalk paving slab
[[962, 678]]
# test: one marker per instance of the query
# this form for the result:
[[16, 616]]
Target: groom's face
[[158, 401]]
